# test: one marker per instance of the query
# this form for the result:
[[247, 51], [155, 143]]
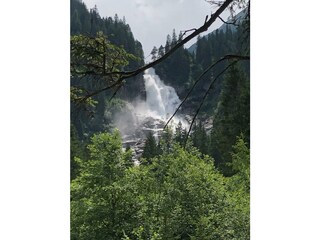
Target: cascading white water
[[142, 117], [161, 100]]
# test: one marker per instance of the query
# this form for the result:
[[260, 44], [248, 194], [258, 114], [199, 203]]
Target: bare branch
[[227, 57], [204, 97], [116, 91], [229, 23], [129, 74], [185, 32], [118, 82]]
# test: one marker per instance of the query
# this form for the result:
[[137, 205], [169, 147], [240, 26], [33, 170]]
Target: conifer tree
[[160, 51], [75, 22], [174, 38], [179, 137], [153, 53], [168, 44]]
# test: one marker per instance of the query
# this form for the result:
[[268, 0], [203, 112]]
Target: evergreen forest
[[192, 181]]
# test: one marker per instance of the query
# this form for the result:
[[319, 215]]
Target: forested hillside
[[88, 119], [190, 180]]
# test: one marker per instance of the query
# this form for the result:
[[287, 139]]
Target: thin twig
[[115, 92]]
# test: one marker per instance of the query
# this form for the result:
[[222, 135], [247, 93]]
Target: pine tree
[[160, 51], [116, 18], [153, 53], [168, 44], [174, 38]]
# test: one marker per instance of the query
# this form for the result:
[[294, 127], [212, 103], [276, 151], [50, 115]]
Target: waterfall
[[161, 100]]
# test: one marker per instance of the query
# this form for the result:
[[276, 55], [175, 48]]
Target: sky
[[152, 20]]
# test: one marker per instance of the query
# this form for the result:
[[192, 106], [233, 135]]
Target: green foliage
[[150, 149], [180, 134], [199, 138], [93, 54], [77, 94], [241, 162], [179, 195], [99, 202], [184, 197], [239, 186], [77, 149], [232, 117], [166, 141], [96, 56]]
